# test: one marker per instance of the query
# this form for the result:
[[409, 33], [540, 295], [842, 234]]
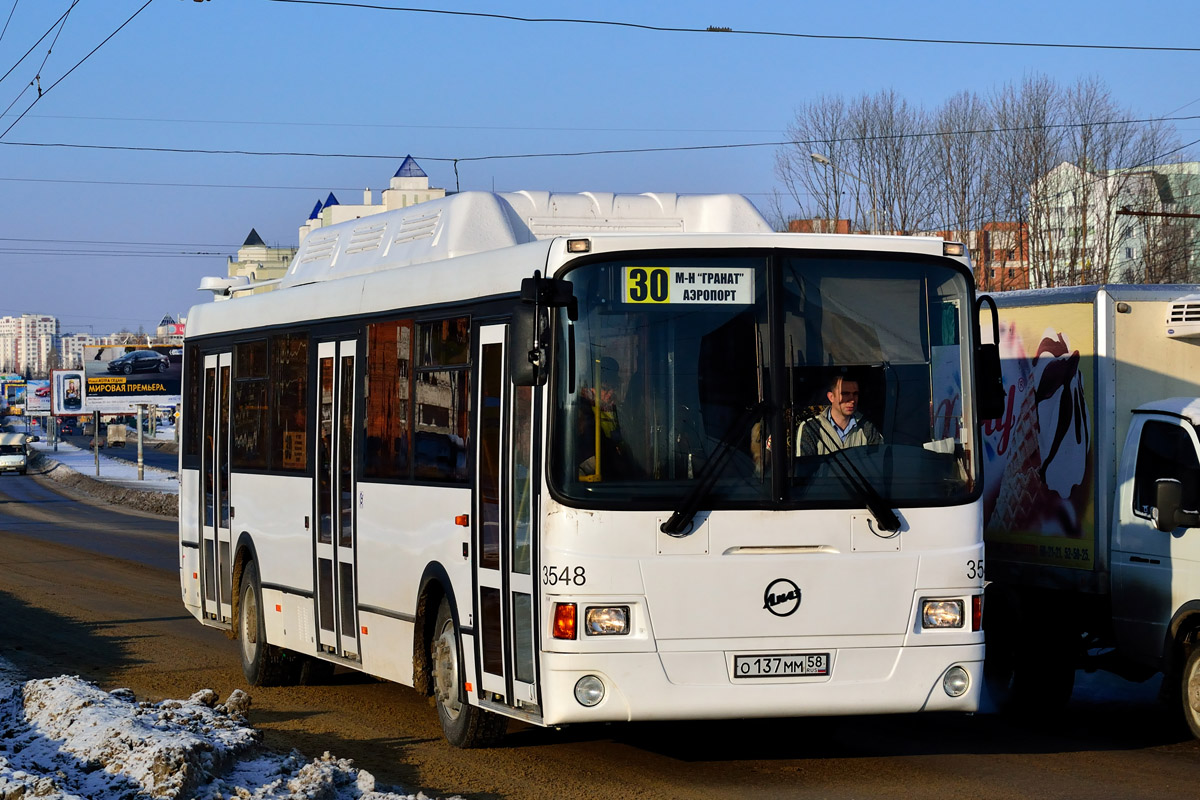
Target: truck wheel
[[1189, 689], [463, 724], [263, 664]]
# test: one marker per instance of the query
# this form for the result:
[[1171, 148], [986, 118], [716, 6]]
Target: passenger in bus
[[837, 426], [598, 423]]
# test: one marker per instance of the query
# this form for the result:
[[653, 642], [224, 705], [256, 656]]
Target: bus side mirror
[[989, 378], [1167, 514], [527, 352], [529, 342]]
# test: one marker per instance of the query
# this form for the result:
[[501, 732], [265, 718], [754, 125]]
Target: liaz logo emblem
[[782, 597]]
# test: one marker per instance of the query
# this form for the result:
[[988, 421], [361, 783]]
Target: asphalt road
[[94, 591]]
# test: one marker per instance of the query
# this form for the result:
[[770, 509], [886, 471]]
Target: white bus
[[536, 455]]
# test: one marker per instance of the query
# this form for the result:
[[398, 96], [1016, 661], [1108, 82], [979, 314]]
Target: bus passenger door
[[504, 529], [334, 506], [216, 578]]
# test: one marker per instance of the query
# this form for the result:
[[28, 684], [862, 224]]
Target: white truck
[[1091, 491], [14, 452]]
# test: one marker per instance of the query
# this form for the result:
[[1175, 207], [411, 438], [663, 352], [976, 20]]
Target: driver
[[837, 426]]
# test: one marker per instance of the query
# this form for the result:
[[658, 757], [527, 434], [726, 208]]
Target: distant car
[[140, 361], [68, 428]]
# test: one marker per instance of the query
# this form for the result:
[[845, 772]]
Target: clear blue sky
[[274, 76]]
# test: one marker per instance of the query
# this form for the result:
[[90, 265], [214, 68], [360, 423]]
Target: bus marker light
[[953, 249], [564, 620], [278, 607], [467, 686], [195, 576], [977, 612], [462, 520], [364, 630], [579, 245]]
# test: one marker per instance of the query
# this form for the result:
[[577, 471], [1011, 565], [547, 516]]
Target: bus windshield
[[775, 379]]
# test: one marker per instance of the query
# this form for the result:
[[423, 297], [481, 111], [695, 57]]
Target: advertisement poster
[[1038, 501], [14, 397], [37, 398], [67, 394], [118, 379]]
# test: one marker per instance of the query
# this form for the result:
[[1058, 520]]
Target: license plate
[[781, 666]]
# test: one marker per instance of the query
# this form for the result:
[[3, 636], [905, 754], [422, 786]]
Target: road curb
[[164, 504]]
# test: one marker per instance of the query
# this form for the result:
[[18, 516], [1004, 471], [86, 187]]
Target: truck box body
[[1076, 362]]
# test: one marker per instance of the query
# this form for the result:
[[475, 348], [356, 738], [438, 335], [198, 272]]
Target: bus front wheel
[[463, 724]]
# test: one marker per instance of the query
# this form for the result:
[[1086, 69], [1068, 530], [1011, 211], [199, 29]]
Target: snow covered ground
[[117, 471], [63, 739]]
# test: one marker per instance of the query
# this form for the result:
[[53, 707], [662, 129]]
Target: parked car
[[140, 361]]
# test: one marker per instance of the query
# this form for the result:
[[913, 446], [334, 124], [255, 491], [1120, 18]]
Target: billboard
[[117, 379]]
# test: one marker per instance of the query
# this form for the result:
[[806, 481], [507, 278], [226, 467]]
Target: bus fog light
[[589, 690], [955, 683], [942, 614], [607, 620]]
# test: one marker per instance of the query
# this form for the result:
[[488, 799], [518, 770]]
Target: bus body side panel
[[272, 509], [401, 529], [189, 542]]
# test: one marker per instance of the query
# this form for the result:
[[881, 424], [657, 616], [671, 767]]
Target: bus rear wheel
[[463, 724], [263, 664]]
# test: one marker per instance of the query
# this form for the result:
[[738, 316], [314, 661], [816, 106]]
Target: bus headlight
[[606, 620], [589, 690], [942, 614]]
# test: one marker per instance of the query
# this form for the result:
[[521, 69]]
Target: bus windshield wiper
[[679, 524], [863, 490]]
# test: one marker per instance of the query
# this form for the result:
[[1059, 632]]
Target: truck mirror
[[1167, 514]]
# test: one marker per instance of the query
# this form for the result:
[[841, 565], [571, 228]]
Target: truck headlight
[[606, 620], [942, 614]]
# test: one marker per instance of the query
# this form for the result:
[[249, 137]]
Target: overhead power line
[[727, 31], [607, 151], [42, 92]]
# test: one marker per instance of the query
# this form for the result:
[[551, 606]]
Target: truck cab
[[1155, 555], [14, 452]]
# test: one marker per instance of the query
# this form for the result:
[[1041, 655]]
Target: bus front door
[[334, 510], [504, 530], [216, 578]]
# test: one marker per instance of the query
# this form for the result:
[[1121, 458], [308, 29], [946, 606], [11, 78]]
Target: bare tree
[[822, 126]]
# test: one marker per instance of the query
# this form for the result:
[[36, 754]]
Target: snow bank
[[65, 739]]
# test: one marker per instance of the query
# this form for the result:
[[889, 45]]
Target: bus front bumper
[[700, 685]]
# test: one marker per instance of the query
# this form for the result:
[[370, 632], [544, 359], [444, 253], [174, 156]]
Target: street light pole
[[825, 162]]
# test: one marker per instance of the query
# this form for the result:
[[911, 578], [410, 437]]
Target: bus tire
[[263, 664], [1189, 690], [463, 724]]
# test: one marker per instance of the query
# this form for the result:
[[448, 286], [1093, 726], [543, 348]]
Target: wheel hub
[[445, 674]]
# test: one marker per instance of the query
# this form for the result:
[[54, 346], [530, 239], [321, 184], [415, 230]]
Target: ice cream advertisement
[[1038, 483]]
